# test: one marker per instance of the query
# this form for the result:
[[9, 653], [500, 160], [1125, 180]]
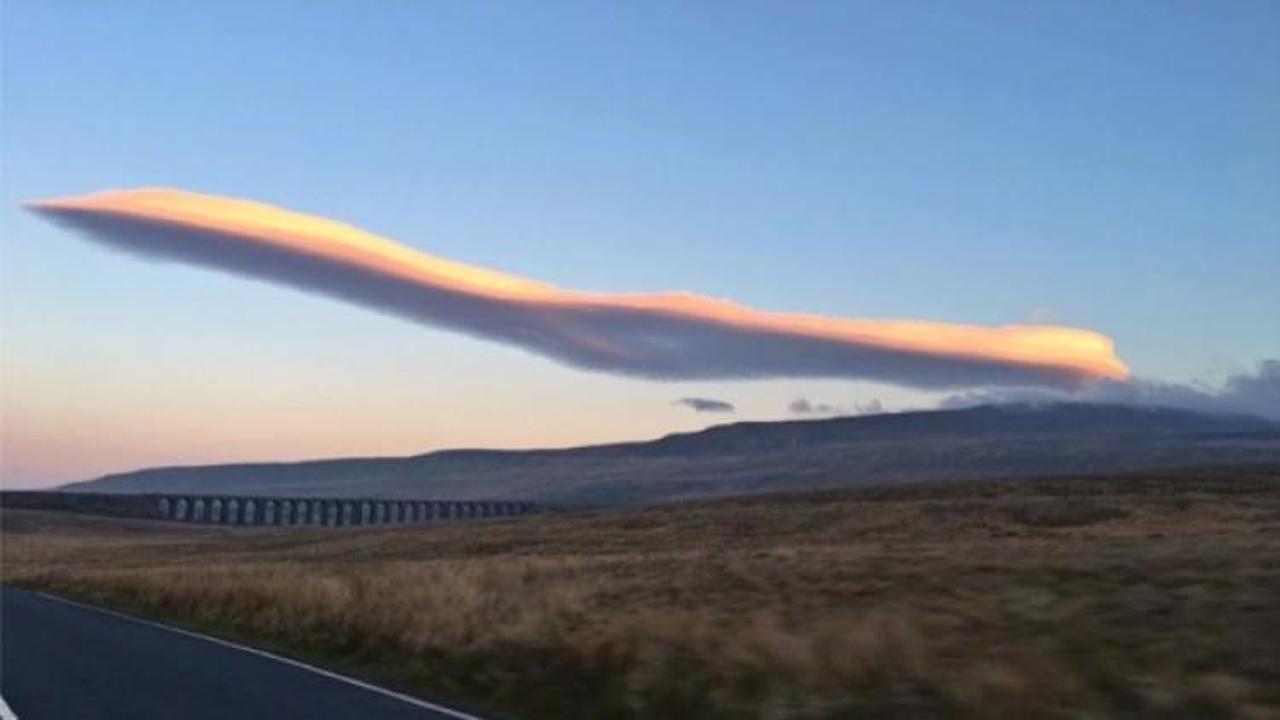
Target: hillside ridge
[[750, 456]]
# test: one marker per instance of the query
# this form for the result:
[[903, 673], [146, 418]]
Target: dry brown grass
[[1154, 597]]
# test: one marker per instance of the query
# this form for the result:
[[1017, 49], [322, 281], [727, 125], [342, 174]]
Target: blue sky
[[1114, 166]]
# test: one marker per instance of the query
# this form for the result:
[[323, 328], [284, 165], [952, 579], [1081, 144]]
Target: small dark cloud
[[700, 404], [1249, 393], [803, 406], [871, 407]]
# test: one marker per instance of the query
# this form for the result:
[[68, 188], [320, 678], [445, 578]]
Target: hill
[[745, 457]]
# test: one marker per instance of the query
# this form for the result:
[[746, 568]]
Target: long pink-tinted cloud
[[663, 335]]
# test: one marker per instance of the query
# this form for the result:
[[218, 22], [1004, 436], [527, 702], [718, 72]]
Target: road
[[64, 661]]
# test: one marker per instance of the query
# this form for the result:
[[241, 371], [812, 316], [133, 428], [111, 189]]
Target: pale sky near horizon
[[1111, 166]]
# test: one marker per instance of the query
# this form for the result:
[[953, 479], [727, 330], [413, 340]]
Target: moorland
[[1152, 595]]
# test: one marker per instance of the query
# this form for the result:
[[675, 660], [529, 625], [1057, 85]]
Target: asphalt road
[[62, 661]]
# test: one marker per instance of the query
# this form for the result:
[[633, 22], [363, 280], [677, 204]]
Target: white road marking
[[263, 653], [5, 712]]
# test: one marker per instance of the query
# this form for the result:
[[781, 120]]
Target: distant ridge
[[988, 441]]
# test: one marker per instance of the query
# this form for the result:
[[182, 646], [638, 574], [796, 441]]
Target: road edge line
[[425, 704], [6, 713]]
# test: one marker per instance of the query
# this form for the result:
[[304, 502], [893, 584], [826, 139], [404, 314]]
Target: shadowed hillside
[[988, 441]]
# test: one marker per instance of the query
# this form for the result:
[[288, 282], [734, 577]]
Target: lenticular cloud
[[661, 335]]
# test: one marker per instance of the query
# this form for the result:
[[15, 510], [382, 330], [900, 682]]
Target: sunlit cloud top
[[659, 335]]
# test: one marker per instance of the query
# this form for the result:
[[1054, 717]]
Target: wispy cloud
[[711, 405], [662, 335], [802, 406], [1253, 393]]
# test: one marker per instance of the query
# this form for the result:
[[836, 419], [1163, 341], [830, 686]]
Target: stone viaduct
[[261, 510], [331, 512]]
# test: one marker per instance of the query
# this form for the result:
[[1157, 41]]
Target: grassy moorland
[[1151, 596]]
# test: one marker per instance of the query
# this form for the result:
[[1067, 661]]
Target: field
[[1142, 596]]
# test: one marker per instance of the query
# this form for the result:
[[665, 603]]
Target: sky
[[1107, 166]]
